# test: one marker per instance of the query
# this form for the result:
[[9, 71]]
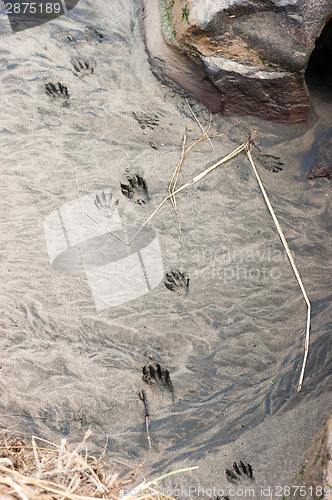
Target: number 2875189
[[33, 8]]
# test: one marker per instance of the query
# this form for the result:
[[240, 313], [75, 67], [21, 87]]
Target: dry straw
[[173, 191], [51, 472], [292, 261]]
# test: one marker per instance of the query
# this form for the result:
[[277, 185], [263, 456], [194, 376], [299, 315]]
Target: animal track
[[136, 189], [57, 92], [176, 281], [238, 472], [150, 121], [92, 36], [105, 204], [64, 36], [82, 68], [271, 163], [155, 374]]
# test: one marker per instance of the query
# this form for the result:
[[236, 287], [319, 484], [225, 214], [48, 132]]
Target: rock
[[238, 56], [320, 170]]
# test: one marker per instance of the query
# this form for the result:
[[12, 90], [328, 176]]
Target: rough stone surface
[[254, 52], [315, 474]]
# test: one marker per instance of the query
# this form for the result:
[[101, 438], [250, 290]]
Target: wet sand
[[233, 344]]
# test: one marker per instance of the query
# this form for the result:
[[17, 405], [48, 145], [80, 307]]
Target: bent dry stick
[[292, 261], [144, 399], [171, 196]]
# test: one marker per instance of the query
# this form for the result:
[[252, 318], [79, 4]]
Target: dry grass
[[45, 471]]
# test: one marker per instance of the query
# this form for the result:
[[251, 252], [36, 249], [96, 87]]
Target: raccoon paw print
[[64, 36], [238, 472], [178, 282], [271, 163], [57, 92], [150, 121], [82, 68], [155, 374], [92, 36], [136, 189], [104, 202]]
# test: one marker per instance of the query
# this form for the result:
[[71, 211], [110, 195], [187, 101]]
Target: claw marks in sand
[[92, 36], [135, 189], [146, 120], [236, 474], [239, 471], [81, 67], [64, 37], [58, 93], [89, 35], [154, 373], [177, 281], [271, 163], [104, 202]]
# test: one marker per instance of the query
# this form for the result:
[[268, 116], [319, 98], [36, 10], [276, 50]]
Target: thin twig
[[15, 487], [173, 183], [74, 453], [36, 458], [142, 396], [61, 450], [292, 261], [176, 173], [203, 174], [199, 124], [145, 485]]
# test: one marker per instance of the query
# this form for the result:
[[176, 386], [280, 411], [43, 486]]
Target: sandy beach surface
[[71, 350]]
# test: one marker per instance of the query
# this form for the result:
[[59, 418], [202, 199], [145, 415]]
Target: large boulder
[[238, 56]]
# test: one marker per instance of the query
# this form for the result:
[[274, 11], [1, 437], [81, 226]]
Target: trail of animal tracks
[[226, 318]]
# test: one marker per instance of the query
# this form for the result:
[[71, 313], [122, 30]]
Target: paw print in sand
[[104, 202], [239, 471], [155, 374], [136, 189], [177, 281], [64, 37], [57, 92], [92, 36], [82, 68], [146, 120], [271, 163]]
